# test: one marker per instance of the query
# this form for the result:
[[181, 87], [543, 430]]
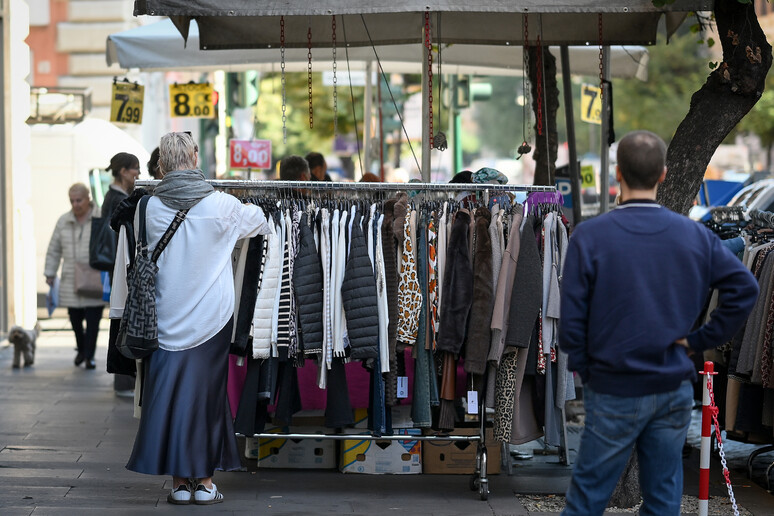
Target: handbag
[[102, 244], [138, 331], [88, 282]]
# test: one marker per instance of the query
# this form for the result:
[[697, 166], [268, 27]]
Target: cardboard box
[[459, 457], [401, 417], [293, 453], [382, 457]]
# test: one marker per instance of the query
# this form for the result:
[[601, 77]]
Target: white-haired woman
[[70, 244], [186, 427]]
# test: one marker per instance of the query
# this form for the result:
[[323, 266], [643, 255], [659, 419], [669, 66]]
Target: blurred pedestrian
[[69, 246], [153, 164], [317, 167], [635, 281], [294, 168], [186, 428], [370, 177], [126, 169]]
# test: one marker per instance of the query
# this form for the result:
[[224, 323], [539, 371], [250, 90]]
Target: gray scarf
[[182, 189]]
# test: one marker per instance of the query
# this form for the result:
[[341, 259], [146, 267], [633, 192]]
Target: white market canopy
[[230, 24], [159, 46]]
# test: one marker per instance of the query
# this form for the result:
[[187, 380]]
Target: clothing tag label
[[403, 387], [472, 402]]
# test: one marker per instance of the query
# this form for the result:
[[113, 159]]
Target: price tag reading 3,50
[[126, 103], [250, 154], [191, 100]]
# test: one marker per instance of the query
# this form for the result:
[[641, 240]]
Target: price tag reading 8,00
[[191, 100], [250, 154]]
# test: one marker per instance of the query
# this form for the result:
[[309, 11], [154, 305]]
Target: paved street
[[65, 437]]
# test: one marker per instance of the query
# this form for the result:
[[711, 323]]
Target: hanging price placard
[[126, 103], [591, 104], [191, 100], [250, 154], [588, 177]]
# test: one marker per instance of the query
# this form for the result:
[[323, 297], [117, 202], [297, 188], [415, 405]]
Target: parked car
[[755, 196]]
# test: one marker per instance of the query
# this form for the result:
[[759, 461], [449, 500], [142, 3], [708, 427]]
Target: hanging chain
[[439, 140], [335, 92], [601, 66], [309, 75], [282, 67], [429, 46], [526, 129], [539, 78], [726, 474]]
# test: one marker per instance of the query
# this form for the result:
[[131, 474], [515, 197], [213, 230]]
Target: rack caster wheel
[[483, 491], [473, 483]]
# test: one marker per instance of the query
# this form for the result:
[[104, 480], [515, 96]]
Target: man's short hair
[[294, 168], [315, 159], [641, 158]]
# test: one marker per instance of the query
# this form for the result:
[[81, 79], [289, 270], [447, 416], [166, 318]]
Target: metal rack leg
[[754, 454]]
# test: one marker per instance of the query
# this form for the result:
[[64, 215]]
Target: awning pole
[[367, 118], [569, 117], [604, 168]]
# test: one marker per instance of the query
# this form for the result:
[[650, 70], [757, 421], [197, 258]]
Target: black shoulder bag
[[138, 332]]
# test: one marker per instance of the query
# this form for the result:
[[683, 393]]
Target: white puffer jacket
[[266, 301], [68, 244]]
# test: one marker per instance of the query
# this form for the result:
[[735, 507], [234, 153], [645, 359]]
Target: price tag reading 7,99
[[250, 154], [191, 100], [591, 104], [126, 103]]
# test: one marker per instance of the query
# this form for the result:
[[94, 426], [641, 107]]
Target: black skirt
[[186, 428]]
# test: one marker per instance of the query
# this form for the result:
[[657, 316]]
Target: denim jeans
[[657, 424]]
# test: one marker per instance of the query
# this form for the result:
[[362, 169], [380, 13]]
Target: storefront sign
[[126, 103], [191, 100], [250, 154]]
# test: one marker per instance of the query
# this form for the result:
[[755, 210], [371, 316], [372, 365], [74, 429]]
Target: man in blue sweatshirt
[[634, 284]]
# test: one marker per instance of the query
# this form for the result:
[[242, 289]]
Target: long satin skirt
[[186, 428]]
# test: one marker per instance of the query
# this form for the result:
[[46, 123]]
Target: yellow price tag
[[588, 177], [591, 104], [126, 103], [191, 100]]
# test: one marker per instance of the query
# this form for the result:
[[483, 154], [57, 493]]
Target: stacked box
[[459, 457], [382, 457], [293, 453]]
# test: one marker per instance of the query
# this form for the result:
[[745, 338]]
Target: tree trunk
[[546, 145], [731, 90]]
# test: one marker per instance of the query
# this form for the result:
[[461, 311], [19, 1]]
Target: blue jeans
[[657, 424]]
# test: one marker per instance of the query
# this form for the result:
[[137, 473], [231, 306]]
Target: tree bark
[[731, 90], [546, 145]]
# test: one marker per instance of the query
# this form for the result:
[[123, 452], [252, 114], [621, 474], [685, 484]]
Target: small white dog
[[23, 344]]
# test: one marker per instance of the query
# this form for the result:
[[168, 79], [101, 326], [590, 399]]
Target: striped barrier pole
[[706, 436]]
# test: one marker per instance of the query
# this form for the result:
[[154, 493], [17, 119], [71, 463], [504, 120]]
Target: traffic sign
[[250, 154], [191, 100], [126, 102], [591, 104]]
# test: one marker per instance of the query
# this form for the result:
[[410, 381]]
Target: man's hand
[[684, 343], [50, 281]]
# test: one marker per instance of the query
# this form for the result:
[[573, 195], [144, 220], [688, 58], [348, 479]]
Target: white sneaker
[[180, 496], [204, 496]]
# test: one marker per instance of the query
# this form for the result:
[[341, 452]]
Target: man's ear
[[618, 175], [662, 177]]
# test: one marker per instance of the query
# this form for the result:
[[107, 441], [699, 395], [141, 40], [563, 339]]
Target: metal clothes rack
[[478, 481]]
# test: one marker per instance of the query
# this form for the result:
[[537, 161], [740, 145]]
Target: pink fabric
[[236, 382]]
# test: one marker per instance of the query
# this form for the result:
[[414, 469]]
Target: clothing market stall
[[425, 255]]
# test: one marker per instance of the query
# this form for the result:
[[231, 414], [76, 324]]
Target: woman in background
[[70, 244]]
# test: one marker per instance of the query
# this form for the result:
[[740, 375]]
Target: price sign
[[591, 104], [191, 100], [588, 177], [126, 103], [250, 154]]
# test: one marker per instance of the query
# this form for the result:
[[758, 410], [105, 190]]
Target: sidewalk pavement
[[65, 438]]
